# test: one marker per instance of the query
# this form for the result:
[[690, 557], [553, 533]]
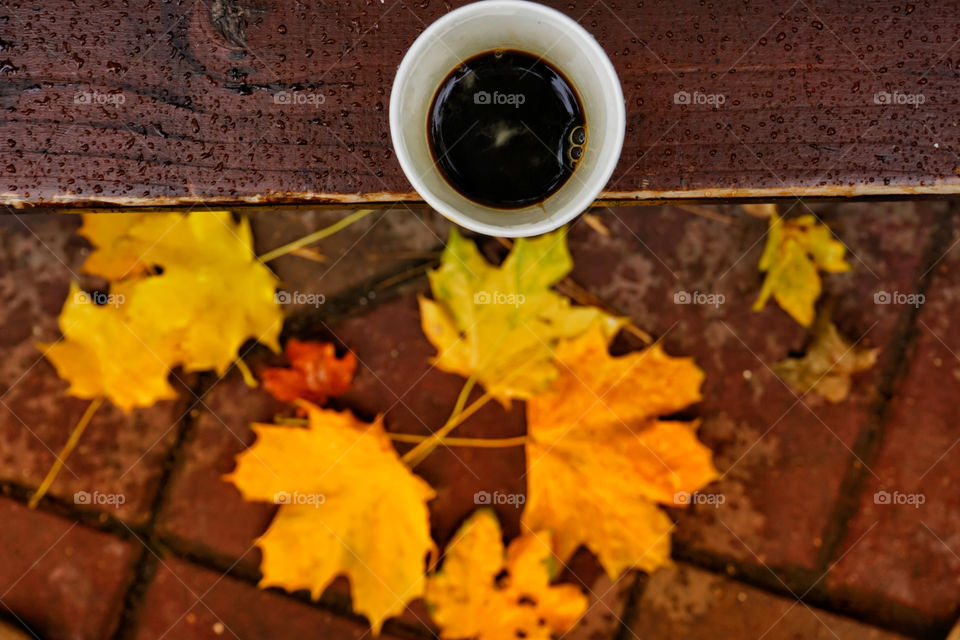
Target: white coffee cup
[[525, 26]]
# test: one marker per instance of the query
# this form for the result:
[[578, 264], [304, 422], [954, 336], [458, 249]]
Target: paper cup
[[538, 30]]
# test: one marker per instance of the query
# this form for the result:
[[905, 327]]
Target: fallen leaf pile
[[602, 459], [184, 290], [796, 249], [482, 592], [348, 506], [315, 372], [599, 460]]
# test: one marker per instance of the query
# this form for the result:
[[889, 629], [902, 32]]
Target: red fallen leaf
[[315, 373]]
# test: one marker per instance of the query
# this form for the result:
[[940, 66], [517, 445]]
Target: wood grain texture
[[174, 101]]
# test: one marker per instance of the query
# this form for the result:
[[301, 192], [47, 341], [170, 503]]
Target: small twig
[[65, 452], [596, 224], [310, 238], [402, 255], [402, 277], [768, 210], [309, 254], [705, 213], [577, 293]]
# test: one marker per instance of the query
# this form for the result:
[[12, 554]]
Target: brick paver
[[786, 462], [185, 602], [684, 603], [783, 460], [120, 456], [386, 241], [900, 555], [607, 600], [61, 579], [201, 511]]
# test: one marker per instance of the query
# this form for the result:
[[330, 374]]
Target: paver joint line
[[867, 446], [145, 564]]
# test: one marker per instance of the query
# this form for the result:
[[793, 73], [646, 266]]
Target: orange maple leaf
[[600, 459], [488, 593], [315, 373]]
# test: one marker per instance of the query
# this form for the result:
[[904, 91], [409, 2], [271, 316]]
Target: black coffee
[[506, 129]]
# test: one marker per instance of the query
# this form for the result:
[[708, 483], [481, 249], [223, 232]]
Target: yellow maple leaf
[[212, 295], [795, 250], [348, 507], [126, 244], [101, 355], [500, 324], [827, 366], [481, 594], [599, 459]]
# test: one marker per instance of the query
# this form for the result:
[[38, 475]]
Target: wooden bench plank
[[174, 101]]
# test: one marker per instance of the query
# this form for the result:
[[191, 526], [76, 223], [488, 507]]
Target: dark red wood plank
[[173, 101]]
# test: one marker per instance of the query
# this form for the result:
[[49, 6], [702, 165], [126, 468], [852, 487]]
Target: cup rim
[[606, 166]]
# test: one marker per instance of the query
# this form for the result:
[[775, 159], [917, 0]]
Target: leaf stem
[[315, 236], [65, 452], [483, 443], [249, 379], [416, 455], [462, 398], [412, 438]]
